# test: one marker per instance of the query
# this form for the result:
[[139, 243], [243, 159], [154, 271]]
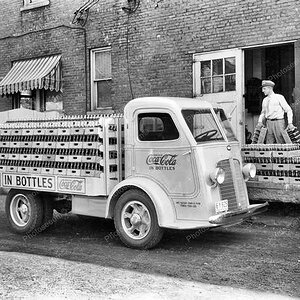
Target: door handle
[[188, 152]]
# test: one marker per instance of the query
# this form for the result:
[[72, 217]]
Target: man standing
[[273, 108]]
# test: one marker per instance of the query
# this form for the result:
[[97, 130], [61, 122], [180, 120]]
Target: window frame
[[32, 4], [223, 75], [94, 92]]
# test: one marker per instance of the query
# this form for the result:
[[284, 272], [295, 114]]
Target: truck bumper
[[230, 218]]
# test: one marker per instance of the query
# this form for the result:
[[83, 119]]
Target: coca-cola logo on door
[[164, 161]]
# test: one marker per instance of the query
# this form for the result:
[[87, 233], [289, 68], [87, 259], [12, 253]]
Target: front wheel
[[24, 211], [136, 220]]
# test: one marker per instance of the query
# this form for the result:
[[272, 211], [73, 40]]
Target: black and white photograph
[[150, 149]]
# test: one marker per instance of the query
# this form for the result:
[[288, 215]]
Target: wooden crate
[[284, 167], [47, 171], [263, 153], [264, 166], [294, 167], [294, 180], [73, 172], [265, 178], [248, 153], [60, 171], [280, 179]]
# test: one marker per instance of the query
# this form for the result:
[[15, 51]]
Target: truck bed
[[71, 154], [278, 172]]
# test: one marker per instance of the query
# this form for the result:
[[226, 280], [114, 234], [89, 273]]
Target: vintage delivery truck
[[167, 163]]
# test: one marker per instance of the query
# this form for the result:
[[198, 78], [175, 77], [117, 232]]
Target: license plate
[[221, 206]]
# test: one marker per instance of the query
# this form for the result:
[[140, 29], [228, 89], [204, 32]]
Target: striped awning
[[38, 73]]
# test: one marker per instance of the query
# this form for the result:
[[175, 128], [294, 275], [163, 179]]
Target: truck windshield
[[225, 124], [202, 125]]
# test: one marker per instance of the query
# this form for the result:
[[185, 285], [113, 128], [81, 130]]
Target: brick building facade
[[153, 47]]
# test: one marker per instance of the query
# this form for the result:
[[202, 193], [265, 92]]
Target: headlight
[[249, 171], [217, 176]]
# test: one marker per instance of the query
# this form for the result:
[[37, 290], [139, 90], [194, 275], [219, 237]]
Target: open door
[[218, 79], [296, 92]]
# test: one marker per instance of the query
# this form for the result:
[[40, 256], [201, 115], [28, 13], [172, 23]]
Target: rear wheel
[[24, 211], [136, 220]]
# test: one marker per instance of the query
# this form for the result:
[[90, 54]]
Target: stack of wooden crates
[[276, 163]]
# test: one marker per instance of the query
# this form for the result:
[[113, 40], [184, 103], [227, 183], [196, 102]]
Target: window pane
[[202, 125], [218, 66], [54, 100], [205, 85], [156, 127], [225, 124], [104, 93], [217, 84], [102, 65], [229, 65], [151, 124], [27, 102], [205, 68], [230, 83]]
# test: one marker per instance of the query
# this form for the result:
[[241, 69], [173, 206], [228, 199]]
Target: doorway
[[276, 63]]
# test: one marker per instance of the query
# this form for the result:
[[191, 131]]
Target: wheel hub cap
[[135, 219], [20, 210], [24, 208]]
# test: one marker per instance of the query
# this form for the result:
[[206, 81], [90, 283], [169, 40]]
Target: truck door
[[162, 152]]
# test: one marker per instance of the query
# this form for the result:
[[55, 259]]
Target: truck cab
[[183, 154]]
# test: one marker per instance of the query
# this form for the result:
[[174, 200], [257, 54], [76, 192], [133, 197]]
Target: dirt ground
[[83, 258]]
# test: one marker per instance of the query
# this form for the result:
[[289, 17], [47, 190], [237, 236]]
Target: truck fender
[[163, 204]]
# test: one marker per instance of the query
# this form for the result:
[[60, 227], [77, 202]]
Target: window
[[39, 100], [52, 101], [101, 78], [202, 125], [156, 127], [30, 4], [225, 124], [218, 75]]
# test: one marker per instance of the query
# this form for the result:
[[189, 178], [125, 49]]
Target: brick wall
[[66, 41], [162, 37]]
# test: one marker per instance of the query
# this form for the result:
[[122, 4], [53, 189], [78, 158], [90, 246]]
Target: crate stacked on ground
[[69, 147], [278, 163]]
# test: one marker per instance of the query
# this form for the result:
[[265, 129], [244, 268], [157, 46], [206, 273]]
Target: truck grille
[[233, 189]]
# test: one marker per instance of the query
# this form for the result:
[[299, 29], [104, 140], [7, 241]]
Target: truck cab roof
[[172, 103]]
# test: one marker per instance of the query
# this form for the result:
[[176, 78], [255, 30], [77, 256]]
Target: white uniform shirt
[[274, 106]]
